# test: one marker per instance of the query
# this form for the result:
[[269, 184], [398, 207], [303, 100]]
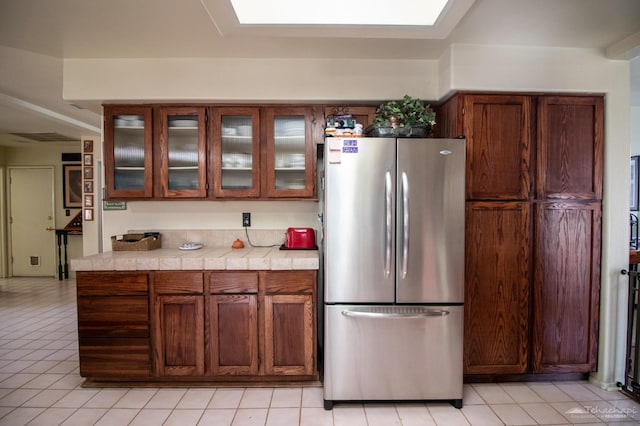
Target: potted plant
[[405, 117]]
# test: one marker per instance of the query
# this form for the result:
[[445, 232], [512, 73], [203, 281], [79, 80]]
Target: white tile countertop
[[206, 258]]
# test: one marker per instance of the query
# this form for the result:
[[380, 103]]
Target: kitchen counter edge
[[253, 258]]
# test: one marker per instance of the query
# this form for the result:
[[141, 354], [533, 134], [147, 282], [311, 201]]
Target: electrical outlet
[[246, 219]]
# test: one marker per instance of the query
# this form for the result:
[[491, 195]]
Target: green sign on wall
[[114, 205]]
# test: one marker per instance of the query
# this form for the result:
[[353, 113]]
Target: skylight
[[339, 12]]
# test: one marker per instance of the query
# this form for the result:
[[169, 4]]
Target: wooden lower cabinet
[[178, 323], [289, 323], [496, 334], [197, 325], [113, 325], [234, 334], [566, 286], [179, 335], [289, 337], [243, 325], [531, 307]]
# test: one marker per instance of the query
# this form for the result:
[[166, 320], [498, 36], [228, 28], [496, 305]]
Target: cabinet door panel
[[290, 151], [570, 147], [235, 161], [289, 335], [498, 147], [182, 152], [128, 156], [566, 287], [497, 288], [234, 333], [179, 335]]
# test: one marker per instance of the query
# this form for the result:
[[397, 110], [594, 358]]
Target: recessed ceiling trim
[[49, 113], [46, 137], [627, 48]]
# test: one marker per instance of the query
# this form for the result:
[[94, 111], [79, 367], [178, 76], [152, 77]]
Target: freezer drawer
[[393, 353]]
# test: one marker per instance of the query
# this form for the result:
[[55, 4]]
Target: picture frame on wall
[[635, 171], [72, 186], [88, 172]]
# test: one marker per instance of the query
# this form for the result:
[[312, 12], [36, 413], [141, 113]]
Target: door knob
[[50, 228]]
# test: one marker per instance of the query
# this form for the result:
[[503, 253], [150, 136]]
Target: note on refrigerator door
[[335, 150]]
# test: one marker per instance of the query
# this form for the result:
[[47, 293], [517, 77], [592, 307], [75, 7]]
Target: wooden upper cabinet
[[181, 153], [497, 129], [235, 151], [290, 151], [128, 156], [570, 147], [211, 152], [566, 286]]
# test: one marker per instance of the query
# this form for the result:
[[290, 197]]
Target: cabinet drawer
[[178, 282], [290, 281], [233, 282], [121, 358], [111, 284], [114, 316]]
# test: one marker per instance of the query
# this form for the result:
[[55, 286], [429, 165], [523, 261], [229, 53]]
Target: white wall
[[635, 130], [250, 80], [154, 215], [463, 67]]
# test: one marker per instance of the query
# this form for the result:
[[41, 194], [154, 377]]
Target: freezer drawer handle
[[402, 315]]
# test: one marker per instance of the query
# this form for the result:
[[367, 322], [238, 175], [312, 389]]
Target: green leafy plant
[[405, 112]]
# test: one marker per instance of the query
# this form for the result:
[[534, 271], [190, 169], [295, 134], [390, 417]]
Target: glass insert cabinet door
[[289, 152], [128, 156], [182, 146], [236, 151]]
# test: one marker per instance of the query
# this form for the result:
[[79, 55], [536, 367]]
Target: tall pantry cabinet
[[533, 231]]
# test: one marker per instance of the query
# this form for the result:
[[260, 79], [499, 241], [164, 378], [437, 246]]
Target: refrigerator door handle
[[388, 204], [399, 315], [405, 224]]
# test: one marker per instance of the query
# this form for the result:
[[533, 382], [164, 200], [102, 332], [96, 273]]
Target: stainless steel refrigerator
[[394, 269]]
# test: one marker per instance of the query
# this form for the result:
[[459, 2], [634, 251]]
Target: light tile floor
[[40, 385]]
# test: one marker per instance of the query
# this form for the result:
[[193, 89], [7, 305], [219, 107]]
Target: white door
[[31, 221]]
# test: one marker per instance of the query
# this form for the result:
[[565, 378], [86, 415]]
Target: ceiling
[[36, 35]]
